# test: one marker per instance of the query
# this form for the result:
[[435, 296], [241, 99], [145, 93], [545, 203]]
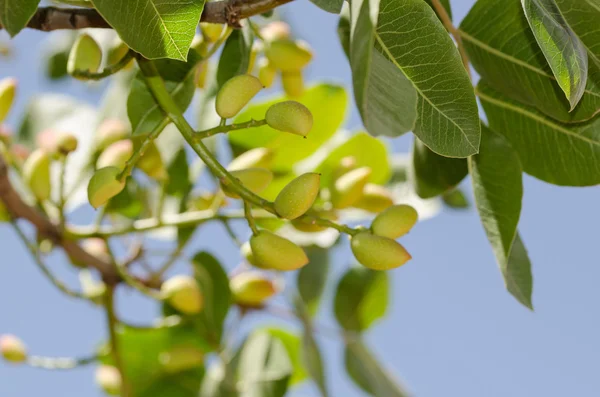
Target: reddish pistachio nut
[[104, 185], [298, 196], [47, 139], [251, 289], [254, 158], [348, 188], [288, 55], [211, 31], [277, 253], [111, 131], [375, 198], [12, 349], [378, 253], [266, 72], [290, 116], [276, 30], [8, 89], [97, 247], [108, 378], [36, 174], [235, 94], [66, 143], [85, 56], [181, 358], [116, 155], [183, 293], [395, 221], [254, 179], [293, 83]]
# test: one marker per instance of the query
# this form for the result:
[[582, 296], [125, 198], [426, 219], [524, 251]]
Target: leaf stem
[[61, 192], [60, 363], [198, 136], [107, 71], [250, 218]]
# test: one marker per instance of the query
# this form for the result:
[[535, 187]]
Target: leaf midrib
[[166, 30]]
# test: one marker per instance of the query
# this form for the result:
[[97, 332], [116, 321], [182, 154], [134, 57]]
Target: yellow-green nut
[[293, 83], [200, 201], [395, 221], [257, 48], [378, 253], [108, 378], [290, 116], [183, 293], [211, 31], [104, 185], [201, 74], [298, 196], [288, 55], [36, 174], [66, 143], [346, 164], [266, 72], [151, 162], [254, 179], [8, 89], [12, 349], [276, 253], [348, 188], [85, 56], [246, 251], [251, 289], [375, 198], [117, 51], [116, 155], [200, 45], [235, 94], [181, 358], [254, 158], [111, 131], [95, 292]]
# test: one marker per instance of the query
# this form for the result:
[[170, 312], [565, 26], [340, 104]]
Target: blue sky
[[452, 329]]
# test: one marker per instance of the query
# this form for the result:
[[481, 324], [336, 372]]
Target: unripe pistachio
[[375, 198], [310, 226], [246, 251], [104, 185], [346, 164], [85, 56], [257, 47], [378, 253], [288, 55], [277, 253], [276, 30], [117, 51], [201, 74], [111, 131], [13, 349], [348, 188], [251, 289], [254, 158], [290, 116], [200, 45], [108, 378], [151, 162], [183, 293], [47, 140], [66, 143], [8, 88], [266, 72], [201, 201], [116, 155], [211, 31], [298, 196], [181, 358], [19, 152], [36, 174], [395, 221], [254, 179], [97, 247], [95, 292], [293, 84], [235, 94]]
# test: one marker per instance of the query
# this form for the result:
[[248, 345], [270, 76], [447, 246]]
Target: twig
[[112, 323], [227, 128], [60, 363]]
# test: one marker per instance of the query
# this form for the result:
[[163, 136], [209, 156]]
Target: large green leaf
[[313, 360], [504, 52], [292, 344], [557, 153], [361, 298], [583, 17], [343, 29], [14, 14], [409, 35], [432, 174], [154, 28], [498, 187], [312, 278], [235, 56], [563, 50], [517, 273], [333, 6]]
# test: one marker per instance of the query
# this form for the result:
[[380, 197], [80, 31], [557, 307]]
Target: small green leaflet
[[235, 57], [583, 17], [332, 6], [14, 14]]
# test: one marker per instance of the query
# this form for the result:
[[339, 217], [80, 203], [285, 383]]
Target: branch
[[228, 12]]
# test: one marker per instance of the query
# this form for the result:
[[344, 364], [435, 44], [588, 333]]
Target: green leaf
[[291, 342], [456, 199], [445, 4], [343, 29], [235, 56], [410, 37], [368, 374], [517, 273], [432, 174], [361, 298], [327, 104], [313, 277], [156, 29], [131, 202], [333, 6], [583, 17], [498, 187], [313, 360], [14, 14], [218, 381], [514, 64], [557, 153], [563, 50]]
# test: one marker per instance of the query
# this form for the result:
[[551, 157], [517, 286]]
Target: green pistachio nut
[[375, 198], [395, 221], [298, 196], [346, 164], [181, 358], [8, 89], [277, 253], [276, 30], [108, 378], [235, 94], [85, 56], [36, 174], [378, 253], [66, 143], [13, 349], [116, 52], [251, 289], [111, 131], [288, 55], [200, 45], [200, 201], [257, 48], [293, 83], [348, 188], [290, 116], [104, 185], [246, 251], [266, 72], [254, 158], [201, 74], [183, 293], [151, 162], [254, 179], [211, 31], [116, 155]]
